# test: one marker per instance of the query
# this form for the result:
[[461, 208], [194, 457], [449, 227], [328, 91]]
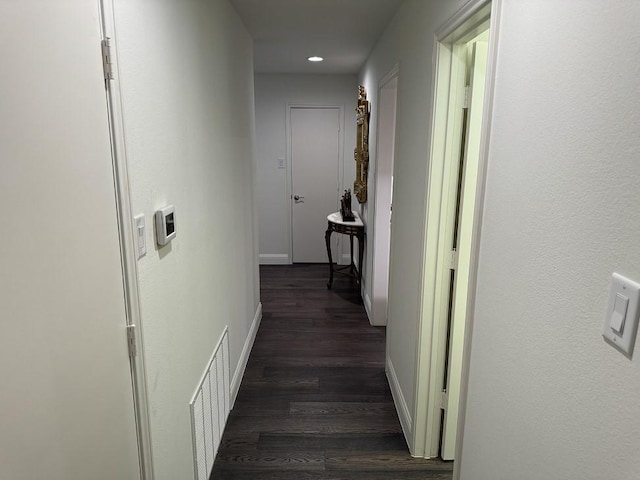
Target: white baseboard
[[244, 356], [377, 316], [367, 306], [400, 403], [345, 259], [274, 259]]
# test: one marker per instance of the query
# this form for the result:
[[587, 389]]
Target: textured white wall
[[408, 42], [66, 404], [187, 80], [273, 93], [548, 398]]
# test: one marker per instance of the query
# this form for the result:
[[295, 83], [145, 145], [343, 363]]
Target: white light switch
[[619, 314], [621, 320], [139, 233], [280, 162]]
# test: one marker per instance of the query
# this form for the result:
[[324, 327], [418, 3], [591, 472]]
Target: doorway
[[315, 179], [459, 217], [462, 100], [388, 93]]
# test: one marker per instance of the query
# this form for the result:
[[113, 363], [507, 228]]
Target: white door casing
[[474, 17], [465, 218], [315, 160], [67, 396]]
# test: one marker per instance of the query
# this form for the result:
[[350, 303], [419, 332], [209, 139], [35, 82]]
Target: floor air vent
[[210, 408]]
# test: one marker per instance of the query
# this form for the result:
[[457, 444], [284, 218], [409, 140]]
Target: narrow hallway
[[314, 402]]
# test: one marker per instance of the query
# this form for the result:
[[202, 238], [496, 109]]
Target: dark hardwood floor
[[314, 402]]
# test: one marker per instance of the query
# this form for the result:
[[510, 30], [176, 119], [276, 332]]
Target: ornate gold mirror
[[361, 152]]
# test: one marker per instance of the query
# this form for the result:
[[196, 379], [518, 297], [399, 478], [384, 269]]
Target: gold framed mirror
[[361, 153]]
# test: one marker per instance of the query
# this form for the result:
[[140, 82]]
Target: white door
[[315, 157], [462, 237], [66, 396]]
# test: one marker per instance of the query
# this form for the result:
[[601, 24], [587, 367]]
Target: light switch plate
[[622, 314], [139, 232]]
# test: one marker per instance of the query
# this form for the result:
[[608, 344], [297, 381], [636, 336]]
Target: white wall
[[408, 42], [66, 404], [187, 83], [548, 398], [273, 93]]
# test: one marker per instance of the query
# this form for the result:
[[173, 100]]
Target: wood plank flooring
[[314, 403]]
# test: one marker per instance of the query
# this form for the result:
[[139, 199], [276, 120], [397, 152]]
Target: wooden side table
[[353, 229]]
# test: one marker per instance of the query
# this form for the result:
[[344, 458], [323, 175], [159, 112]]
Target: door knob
[[298, 199]]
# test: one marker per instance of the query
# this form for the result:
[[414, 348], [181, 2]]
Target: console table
[[353, 229]]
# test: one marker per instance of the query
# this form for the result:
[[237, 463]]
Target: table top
[[337, 218]]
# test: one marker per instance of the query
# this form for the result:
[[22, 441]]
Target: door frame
[[375, 222], [465, 24], [128, 253], [289, 192], [461, 218]]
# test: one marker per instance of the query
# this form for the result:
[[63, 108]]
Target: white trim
[[400, 403], [244, 355], [437, 305], [366, 299], [391, 74], [473, 8], [289, 189], [423, 426], [127, 246], [275, 259], [492, 58], [430, 364]]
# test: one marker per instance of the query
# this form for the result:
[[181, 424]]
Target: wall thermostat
[[165, 225]]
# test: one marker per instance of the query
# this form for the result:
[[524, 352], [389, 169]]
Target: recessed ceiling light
[[315, 59]]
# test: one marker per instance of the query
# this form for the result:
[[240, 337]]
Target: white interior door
[[315, 159], [467, 186], [66, 396]]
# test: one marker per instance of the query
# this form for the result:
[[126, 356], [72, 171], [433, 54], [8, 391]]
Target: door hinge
[[453, 260], [443, 400], [467, 97], [131, 340], [107, 59]]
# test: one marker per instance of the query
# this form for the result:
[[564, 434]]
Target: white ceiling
[[287, 32]]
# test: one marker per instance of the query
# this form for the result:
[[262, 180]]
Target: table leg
[[327, 239]]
